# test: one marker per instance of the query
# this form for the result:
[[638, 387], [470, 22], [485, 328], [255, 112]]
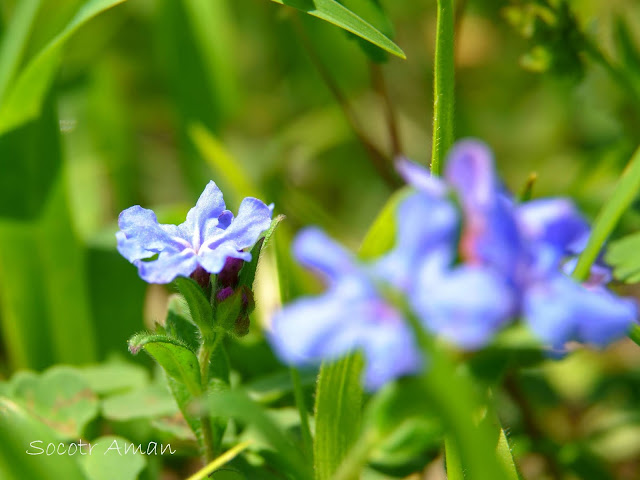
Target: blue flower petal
[[470, 171], [490, 237], [424, 224], [313, 329], [391, 352], [314, 249], [168, 266], [141, 236], [224, 220], [559, 310], [554, 221], [214, 259], [345, 320], [466, 305], [254, 217], [204, 216], [421, 178]]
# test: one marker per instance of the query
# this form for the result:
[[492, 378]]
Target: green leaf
[[373, 13], [113, 457], [406, 430], [237, 405], [52, 329], [24, 98], [60, 397], [452, 396], [248, 272], [335, 13], [177, 360], [114, 377], [18, 430], [199, 306], [270, 388], [14, 41], [505, 457], [185, 401], [178, 326], [194, 33], [629, 52], [152, 401], [608, 217], [381, 236], [338, 413], [175, 425], [623, 256], [25, 186], [212, 28]]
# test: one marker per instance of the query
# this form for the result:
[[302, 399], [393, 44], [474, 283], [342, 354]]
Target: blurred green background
[[152, 98]]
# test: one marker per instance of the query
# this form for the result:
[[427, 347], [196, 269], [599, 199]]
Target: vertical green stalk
[[443, 88], [453, 463], [15, 41], [204, 359], [624, 193], [307, 442]]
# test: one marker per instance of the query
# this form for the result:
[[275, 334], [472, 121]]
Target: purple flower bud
[[223, 294], [201, 276], [228, 277]]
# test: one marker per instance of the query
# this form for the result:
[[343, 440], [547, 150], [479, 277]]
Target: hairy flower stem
[[443, 86], [209, 345]]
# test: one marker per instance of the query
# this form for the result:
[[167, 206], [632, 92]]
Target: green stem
[[298, 393], [443, 89], [380, 85], [608, 217], [220, 461], [209, 345], [379, 160], [473, 442], [452, 459]]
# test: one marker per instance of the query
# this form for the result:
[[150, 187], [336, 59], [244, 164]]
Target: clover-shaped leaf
[[60, 397], [114, 457], [153, 401]]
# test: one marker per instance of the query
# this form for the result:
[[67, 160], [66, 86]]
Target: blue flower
[[351, 315], [358, 311], [523, 250], [209, 236]]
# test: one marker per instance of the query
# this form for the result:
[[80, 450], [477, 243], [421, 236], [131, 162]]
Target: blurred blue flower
[[361, 309], [524, 250], [351, 315], [209, 236], [466, 304]]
